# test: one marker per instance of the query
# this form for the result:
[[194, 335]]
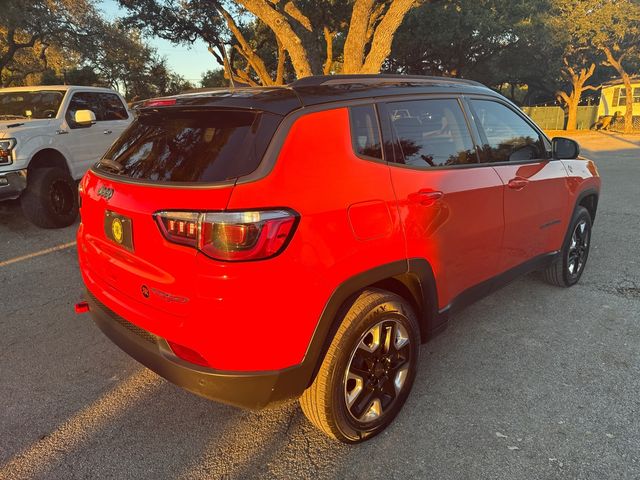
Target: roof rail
[[376, 79]]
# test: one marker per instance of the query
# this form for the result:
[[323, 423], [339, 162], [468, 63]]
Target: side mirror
[[564, 148], [85, 118]]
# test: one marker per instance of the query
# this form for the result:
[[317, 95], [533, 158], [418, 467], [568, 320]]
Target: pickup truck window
[[113, 107], [37, 104], [84, 101], [105, 106]]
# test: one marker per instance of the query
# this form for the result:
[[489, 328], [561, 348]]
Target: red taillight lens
[[230, 236], [180, 227], [188, 355]]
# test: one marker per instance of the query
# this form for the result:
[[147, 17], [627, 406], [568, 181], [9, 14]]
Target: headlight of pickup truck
[[6, 150]]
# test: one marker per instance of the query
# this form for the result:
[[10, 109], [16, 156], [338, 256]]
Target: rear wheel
[[50, 200], [368, 370], [567, 270]]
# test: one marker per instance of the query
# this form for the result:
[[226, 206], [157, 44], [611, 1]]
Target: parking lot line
[[57, 248]]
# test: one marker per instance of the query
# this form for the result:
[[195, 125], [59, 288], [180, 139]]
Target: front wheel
[[51, 199], [567, 270], [368, 370]]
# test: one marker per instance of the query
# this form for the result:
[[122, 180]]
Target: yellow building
[[613, 98]]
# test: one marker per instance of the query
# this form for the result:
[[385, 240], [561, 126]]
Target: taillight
[[160, 102], [188, 355], [180, 227], [230, 236]]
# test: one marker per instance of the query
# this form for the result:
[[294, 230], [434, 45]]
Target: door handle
[[107, 132], [518, 183], [425, 197]]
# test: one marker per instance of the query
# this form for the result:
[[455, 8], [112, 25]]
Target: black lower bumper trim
[[242, 389]]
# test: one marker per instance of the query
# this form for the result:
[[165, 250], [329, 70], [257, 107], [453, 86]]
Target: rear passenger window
[[365, 133], [431, 133], [113, 107], [508, 137]]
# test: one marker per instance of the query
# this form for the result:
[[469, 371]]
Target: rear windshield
[[194, 146]]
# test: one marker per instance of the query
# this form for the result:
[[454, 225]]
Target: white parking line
[[57, 248]]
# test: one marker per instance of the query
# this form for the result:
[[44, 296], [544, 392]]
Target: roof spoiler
[[377, 79]]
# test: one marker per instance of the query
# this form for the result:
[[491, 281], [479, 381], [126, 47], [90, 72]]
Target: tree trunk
[[383, 36], [578, 79], [572, 113], [246, 50], [282, 29], [617, 64], [354, 44], [628, 114]]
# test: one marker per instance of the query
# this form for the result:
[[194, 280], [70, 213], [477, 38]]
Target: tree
[[579, 58], [496, 42], [577, 81], [213, 78], [312, 37], [612, 27], [28, 28]]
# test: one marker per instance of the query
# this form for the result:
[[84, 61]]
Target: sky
[[190, 62]]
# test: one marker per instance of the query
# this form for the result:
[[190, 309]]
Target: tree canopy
[[535, 51]]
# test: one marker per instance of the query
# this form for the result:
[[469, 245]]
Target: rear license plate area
[[119, 229]]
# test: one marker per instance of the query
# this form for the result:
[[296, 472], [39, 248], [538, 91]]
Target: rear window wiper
[[110, 164]]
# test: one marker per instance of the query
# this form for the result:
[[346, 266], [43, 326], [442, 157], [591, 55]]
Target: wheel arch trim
[[587, 192], [415, 275], [55, 151]]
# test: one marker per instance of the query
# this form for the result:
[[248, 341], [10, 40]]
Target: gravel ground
[[532, 382]]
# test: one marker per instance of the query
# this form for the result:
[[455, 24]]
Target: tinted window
[[508, 137], [113, 107], [191, 146], [365, 134], [24, 105], [431, 133], [84, 101]]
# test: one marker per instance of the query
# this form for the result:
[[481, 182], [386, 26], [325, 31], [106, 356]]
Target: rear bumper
[[12, 184], [251, 390]]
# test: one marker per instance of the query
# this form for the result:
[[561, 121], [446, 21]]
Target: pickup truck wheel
[[368, 370], [50, 200], [567, 269]]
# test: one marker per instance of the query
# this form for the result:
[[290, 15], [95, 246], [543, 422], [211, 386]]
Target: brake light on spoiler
[[160, 102], [230, 236]]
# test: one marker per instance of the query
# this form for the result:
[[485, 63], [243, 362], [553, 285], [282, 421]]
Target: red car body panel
[[461, 233], [270, 307], [536, 210]]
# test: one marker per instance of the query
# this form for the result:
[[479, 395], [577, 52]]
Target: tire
[[567, 270], [353, 408], [51, 199]]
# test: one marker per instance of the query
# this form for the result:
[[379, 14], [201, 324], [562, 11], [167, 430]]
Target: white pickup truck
[[49, 137]]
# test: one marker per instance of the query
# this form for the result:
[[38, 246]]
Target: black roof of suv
[[321, 89]]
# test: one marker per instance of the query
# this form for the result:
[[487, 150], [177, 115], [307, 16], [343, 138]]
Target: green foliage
[[62, 41], [213, 78], [514, 43]]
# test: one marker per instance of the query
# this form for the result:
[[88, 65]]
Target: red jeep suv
[[256, 245]]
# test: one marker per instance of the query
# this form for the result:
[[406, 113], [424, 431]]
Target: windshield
[[190, 146], [30, 105]]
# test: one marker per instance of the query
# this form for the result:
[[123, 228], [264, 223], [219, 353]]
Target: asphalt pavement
[[533, 382]]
